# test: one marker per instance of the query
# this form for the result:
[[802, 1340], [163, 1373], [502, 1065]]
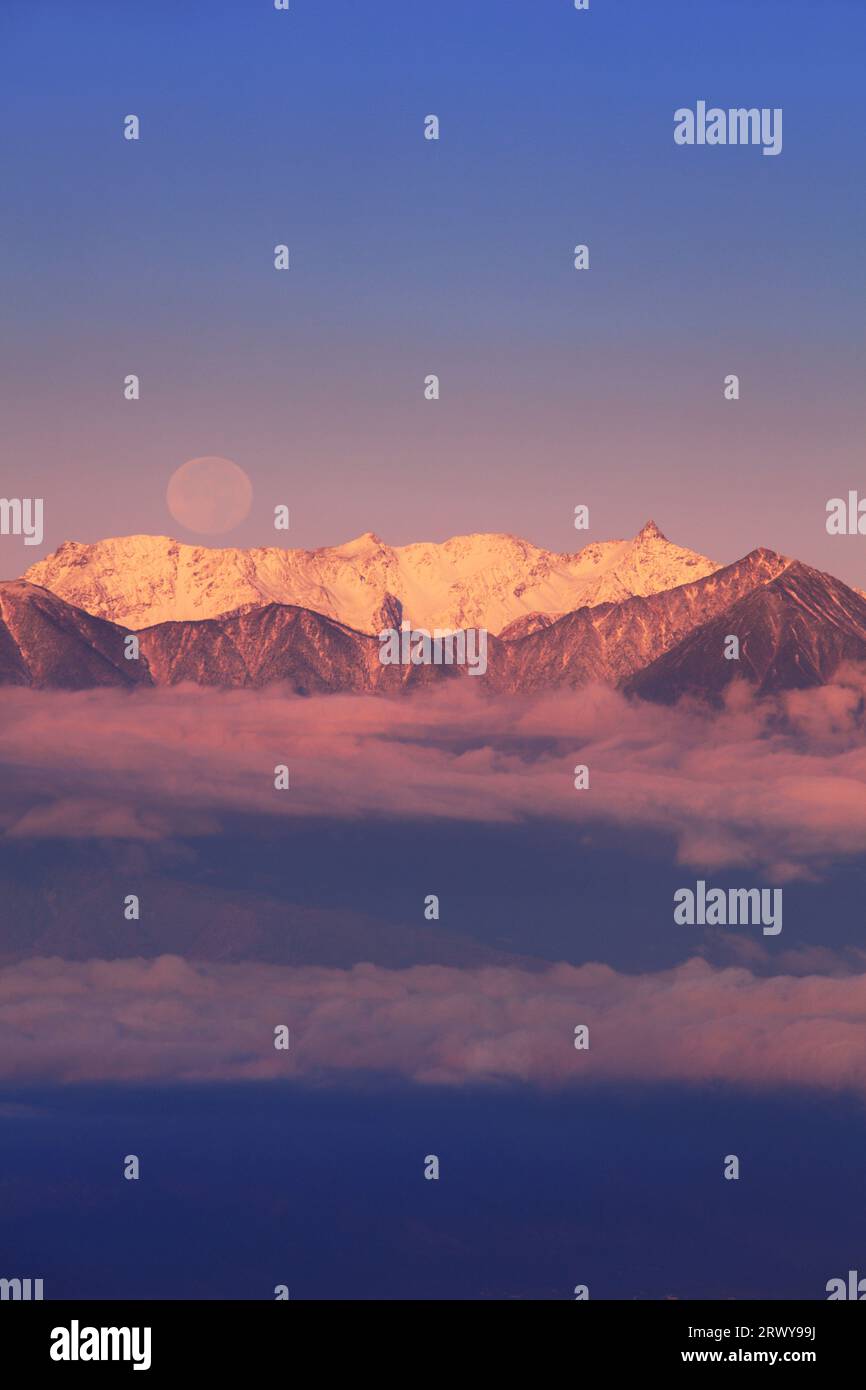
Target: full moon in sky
[[210, 495]]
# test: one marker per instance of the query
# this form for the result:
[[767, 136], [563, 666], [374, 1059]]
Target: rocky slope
[[45, 642], [794, 632], [311, 653]]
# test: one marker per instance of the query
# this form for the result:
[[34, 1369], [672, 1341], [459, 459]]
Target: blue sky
[[410, 257]]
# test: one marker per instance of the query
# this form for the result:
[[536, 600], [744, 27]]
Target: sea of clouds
[[778, 785]]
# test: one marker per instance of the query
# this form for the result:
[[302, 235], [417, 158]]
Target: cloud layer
[[778, 785], [171, 1020]]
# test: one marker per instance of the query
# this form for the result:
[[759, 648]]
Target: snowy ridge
[[488, 581]]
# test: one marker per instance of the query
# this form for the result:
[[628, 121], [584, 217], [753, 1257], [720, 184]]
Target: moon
[[210, 495]]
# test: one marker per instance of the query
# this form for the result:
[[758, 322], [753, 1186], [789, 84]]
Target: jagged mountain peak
[[763, 554], [366, 544], [650, 532]]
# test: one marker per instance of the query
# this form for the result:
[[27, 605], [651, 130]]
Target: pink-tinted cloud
[[172, 1020], [778, 785]]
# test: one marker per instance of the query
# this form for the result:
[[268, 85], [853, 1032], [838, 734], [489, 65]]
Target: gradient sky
[[410, 257]]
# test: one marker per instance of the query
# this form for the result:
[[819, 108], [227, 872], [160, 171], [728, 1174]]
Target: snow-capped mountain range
[[660, 635], [489, 581]]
